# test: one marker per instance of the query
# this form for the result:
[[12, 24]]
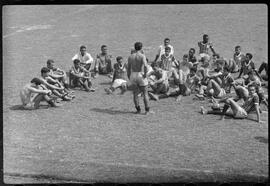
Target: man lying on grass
[[32, 94], [238, 112]]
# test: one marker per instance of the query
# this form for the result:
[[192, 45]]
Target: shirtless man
[[136, 72]]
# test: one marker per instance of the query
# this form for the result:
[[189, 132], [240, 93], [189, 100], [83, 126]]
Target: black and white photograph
[[135, 93]]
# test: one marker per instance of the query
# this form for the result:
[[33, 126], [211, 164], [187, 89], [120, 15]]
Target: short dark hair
[[168, 48], [193, 69], [154, 64], [237, 47], [226, 68], [220, 61], [103, 46], [251, 72], [217, 55], [185, 56], [37, 81], [252, 85], [205, 35], [50, 61], [44, 70], [192, 49], [138, 46], [81, 47], [250, 55], [118, 58], [75, 61], [166, 39]]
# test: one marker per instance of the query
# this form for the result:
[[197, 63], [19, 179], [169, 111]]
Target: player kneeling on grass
[[158, 81], [119, 77], [54, 85], [238, 112], [80, 77], [33, 93]]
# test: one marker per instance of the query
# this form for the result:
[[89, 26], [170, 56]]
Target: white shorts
[[136, 78], [222, 93], [183, 76], [118, 83], [240, 113], [205, 55]]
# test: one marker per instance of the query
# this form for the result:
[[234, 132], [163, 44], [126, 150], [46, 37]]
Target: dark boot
[[138, 108]]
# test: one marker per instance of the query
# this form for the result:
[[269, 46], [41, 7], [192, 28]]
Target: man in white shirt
[[161, 49], [85, 58]]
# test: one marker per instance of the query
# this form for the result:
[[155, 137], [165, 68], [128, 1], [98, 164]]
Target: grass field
[[96, 137]]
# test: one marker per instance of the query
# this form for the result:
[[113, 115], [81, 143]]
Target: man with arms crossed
[[136, 72]]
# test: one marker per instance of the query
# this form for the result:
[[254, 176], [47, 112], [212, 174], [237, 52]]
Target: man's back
[[136, 62]]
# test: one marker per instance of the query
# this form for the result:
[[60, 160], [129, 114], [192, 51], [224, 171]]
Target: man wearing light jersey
[[137, 72], [204, 47], [161, 49], [85, 58]]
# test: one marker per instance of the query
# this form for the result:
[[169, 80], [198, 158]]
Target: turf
[[97, 137]]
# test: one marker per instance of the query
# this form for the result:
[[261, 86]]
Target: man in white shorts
[[137, 72], [119, 77]]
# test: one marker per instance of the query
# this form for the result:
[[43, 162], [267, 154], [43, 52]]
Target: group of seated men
[[209, 76], [54, 82]]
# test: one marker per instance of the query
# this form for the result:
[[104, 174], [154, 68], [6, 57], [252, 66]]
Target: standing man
[[204, 47], [161, 49], [85, 58], [136, 72]]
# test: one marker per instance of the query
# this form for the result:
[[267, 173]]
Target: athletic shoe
[[149, 112], [92, 89], [153, 96], [203, 110], [108, 90], [72, 96], [138, 112], [66, 98], [123, 91]]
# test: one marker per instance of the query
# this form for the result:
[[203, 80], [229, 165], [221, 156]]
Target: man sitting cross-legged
[[103, 63], [80, 77], [158, 81]]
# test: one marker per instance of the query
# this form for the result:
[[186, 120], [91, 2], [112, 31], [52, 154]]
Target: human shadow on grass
[[105, 83], [261, 139], [20, 107], [230, 116], [111, 111]]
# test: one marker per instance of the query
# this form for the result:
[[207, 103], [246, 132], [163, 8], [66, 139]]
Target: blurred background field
[[96, 137]]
